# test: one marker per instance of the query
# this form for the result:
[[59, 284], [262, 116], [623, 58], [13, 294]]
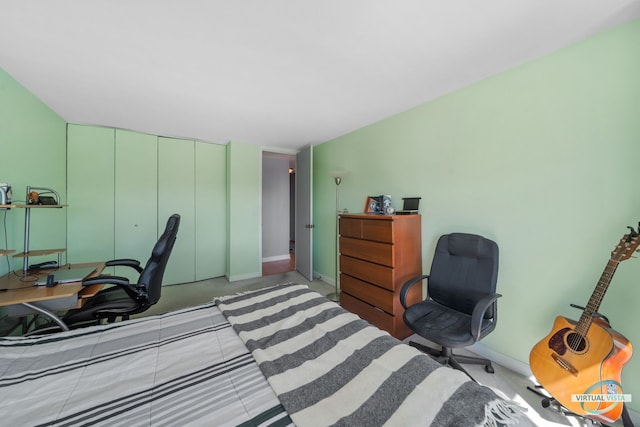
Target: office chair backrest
[[464, 268], [151, 276]]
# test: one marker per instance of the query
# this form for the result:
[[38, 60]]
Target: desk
[[19, 292]]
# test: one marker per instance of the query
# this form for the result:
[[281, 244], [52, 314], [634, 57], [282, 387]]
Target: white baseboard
[[235, 278], [325, 279], [276, 258], [501, 359]]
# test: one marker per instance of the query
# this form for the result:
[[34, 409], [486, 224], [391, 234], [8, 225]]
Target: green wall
[[33, 142], [542, 158], [244, 195]]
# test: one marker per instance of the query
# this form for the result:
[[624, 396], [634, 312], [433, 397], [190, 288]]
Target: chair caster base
[[446, 357]]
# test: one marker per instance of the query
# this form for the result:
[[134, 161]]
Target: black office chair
[[460, 307], [124, 299]]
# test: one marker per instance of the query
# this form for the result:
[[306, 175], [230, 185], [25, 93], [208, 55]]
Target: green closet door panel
[[176, 194], [136, 197], [90, 192], [211, 210]]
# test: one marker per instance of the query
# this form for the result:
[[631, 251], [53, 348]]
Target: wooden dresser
[[378, 254]]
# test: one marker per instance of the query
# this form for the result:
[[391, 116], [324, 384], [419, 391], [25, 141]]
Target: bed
[[282, 355]]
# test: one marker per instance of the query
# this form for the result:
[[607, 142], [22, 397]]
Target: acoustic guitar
[[580, 363]]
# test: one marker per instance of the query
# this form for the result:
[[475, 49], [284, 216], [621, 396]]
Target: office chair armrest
[[478, 314], [125, 262], [119, 281], [407, 286], [105, 279]]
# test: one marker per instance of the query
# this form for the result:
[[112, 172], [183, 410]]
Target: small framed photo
[[372, 205]]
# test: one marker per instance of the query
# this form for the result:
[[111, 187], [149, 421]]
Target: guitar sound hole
[[576, 342]]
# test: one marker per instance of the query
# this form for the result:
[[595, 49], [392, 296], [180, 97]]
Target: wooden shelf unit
[[39, 252], [5, 252], [27, 227]]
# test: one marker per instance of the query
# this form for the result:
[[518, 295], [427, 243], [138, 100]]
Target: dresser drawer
[[367, 292], [368, 271], [367, 312], [377, 230], [351, 227], [380, 253]]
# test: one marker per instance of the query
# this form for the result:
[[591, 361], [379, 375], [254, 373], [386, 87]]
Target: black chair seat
[[112, 300], [443, 325]]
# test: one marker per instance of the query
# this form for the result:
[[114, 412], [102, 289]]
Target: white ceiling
[[278, 73]]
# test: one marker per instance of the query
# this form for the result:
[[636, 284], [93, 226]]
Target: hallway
[[282, 266]]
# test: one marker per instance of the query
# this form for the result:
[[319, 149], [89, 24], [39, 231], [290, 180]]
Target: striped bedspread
[[329, 367], [183, 368]]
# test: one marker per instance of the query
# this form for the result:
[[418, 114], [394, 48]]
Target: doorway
[[278, 213]]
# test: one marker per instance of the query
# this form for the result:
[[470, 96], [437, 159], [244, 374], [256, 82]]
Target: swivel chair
[[460, 307], [123, 298]]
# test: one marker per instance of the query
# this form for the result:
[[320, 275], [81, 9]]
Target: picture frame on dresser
[[372, 205]]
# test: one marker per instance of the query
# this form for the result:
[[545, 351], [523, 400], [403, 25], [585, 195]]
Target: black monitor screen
[[411, 203]]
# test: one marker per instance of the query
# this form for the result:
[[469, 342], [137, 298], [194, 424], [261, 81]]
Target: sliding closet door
[[124, 185], [176, 190], [211, 210], [136, 197], [90, 193]]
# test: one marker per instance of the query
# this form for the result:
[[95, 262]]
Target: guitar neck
[[596, 298]]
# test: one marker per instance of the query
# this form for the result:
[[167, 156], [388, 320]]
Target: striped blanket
[[329, 367], [183, 368]]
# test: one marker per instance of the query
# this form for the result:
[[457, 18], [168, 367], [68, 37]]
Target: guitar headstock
[[627, 246]]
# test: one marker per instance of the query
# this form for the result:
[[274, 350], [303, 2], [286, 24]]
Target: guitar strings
[[576, 339]]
